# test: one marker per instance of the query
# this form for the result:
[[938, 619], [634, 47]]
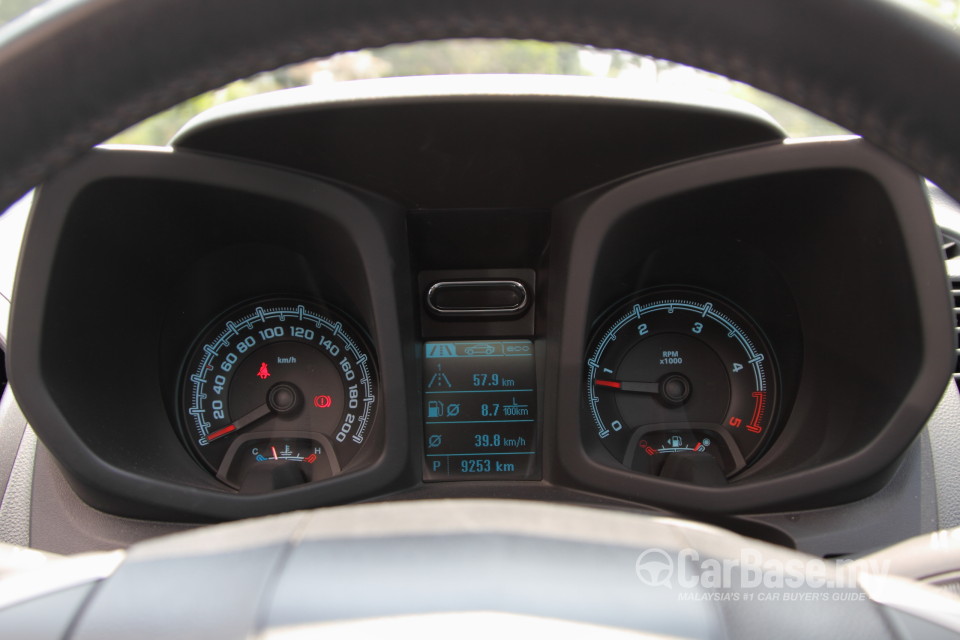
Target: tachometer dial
[[278, 376], [682, 385]]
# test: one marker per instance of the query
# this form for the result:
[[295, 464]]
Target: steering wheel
[[81, 70], [84, 70]]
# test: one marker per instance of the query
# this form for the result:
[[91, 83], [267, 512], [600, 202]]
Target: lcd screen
[[480, 410]]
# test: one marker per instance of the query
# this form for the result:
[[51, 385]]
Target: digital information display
[[480, 410]]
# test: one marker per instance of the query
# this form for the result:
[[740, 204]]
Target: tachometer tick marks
[[672, 385]]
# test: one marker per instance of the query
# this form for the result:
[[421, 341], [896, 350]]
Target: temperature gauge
[[255, 464]]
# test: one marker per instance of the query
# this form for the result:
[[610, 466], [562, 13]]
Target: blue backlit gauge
[[284, 377], [680, 384], [261, 464]]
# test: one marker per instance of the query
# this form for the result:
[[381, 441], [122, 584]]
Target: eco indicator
[[480, 410]]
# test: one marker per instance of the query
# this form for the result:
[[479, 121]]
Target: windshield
[[643, 73]]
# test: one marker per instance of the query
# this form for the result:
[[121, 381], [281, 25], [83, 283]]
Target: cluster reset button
[[478, 297]]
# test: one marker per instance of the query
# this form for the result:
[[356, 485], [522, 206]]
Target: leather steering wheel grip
[[79, 71], [415, 565]]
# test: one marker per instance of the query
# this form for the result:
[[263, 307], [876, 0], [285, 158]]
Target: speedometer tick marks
[[265, 362]]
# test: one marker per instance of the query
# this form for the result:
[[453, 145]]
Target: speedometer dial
[[278, 394], [681, 384]]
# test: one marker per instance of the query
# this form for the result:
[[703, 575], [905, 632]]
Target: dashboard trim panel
[[583, 225], [188, 493], [387, 247]]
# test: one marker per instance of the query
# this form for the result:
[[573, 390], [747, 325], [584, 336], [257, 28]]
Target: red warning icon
[[264, 373]]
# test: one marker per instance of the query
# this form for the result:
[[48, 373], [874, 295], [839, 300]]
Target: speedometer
[[278, 394], [681, 384]]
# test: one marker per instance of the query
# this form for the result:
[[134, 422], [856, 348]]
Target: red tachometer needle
[[613, 384], [635, 387]]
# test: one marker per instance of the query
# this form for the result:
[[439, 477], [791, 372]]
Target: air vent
[[950, 243], [949, 582], [955, 294]]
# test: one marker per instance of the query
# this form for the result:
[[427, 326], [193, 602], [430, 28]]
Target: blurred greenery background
[[484, 56]]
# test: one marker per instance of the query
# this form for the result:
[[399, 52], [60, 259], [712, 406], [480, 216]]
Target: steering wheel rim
[[463, 568], [86, 69], [83, 70]]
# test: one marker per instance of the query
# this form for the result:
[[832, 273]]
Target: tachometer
[[277, 394], [681, 384]]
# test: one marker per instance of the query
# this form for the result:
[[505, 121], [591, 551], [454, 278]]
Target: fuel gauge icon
[[434, 409]]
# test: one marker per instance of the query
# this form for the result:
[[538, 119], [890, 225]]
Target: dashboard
[[523, 288]]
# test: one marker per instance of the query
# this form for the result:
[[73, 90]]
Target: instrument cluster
[[738, 332]]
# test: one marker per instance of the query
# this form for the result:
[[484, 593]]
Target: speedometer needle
[[253, 416], [635, 387]]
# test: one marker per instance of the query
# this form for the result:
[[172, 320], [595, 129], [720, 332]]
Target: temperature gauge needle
[[253, 416], [635, 387]]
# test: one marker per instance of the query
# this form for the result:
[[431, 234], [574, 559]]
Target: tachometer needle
[[635, 387], [253, 416]]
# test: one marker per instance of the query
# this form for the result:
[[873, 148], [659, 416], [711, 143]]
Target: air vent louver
[[955, 295]]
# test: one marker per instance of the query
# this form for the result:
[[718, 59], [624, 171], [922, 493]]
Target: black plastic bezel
[[583, 225], [373, 226]]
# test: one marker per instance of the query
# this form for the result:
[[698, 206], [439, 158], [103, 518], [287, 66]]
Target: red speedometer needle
[[260, 412], [635, 387], [219, 433]]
